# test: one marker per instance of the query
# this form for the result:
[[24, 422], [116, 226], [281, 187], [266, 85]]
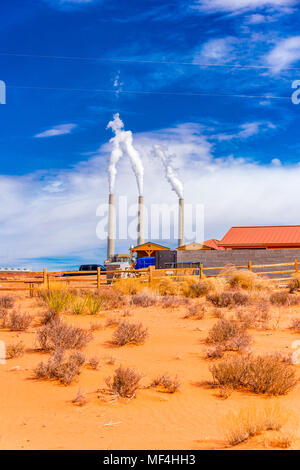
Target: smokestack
[[141, 222], [181, 222], [111, 227]]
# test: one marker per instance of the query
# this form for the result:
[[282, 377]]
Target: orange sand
[[41, 415]]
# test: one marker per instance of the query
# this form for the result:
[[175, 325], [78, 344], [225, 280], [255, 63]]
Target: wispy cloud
[[246, 130], [242, 6], [284, 54], [69, 4], [57, 130]]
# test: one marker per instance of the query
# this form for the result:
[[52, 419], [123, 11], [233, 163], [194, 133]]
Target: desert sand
[[37, 414]]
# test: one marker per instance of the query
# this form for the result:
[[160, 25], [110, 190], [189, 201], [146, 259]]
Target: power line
[[149, 92], [144, 61]]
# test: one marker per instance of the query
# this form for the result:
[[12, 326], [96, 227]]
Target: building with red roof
[[261, 237]]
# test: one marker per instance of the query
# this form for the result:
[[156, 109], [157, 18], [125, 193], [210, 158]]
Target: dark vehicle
[[92, 267], [87, 267]]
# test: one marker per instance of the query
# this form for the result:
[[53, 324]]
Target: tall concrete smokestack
[[111, 227], [181, 222], [141, 222]]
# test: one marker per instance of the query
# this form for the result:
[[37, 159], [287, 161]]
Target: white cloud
[[216, 50], [241, 6], [54, 215], [284, 54], [57, 130], [276, 162]]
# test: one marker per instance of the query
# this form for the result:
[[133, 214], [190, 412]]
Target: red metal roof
[[285, 235], [213, 243]]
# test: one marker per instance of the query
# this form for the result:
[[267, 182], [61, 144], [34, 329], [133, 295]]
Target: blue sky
[[210, 79]]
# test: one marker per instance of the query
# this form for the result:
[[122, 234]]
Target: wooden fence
[[97, 279]]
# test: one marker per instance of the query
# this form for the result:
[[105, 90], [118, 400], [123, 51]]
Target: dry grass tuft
[[124, 383], [130, 333], [56, 299], [244, 279], [59, 335], [166, 383], [128, 286], [194, 289], [294, 283], [253, 420], [262, 374], [167, 286], [15, 350]]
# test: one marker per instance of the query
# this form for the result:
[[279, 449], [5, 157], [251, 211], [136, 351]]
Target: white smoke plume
[[170, 173], [123, 142]]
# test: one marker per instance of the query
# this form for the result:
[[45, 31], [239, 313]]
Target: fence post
[[201, 271], [45, 276], [250, 265], [98, 277], [296, 266], [151, 269]]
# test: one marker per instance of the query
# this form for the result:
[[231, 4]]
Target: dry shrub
[[128, 286], [257, 316], [111, 297], [95, 326], [261, 374], [130, 333], [196, 312], [294, 283], [228, 335], [93, 362], [143, 299], [253, 420], [79, 399], [57, 368], [166, 286], [3, 317], [15, 350], [228, 299], [18, 321], [280, 298], [124, 383], [166, 383], [48, 317], [172, 301], [295, 324], [7, 301], [112, 321], [282, 440], [59, 335]]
